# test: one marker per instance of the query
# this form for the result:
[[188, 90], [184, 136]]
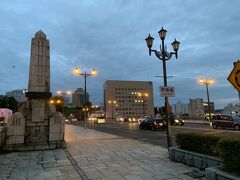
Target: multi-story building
[[128, 98], [18, 94], [231, 109], [196, 107], [78, 98], [205, 107], [67, 100], [180, 108]]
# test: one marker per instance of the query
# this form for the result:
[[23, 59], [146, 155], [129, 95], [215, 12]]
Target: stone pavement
[[94, 155]]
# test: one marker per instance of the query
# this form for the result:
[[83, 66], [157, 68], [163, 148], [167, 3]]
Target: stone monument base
[[34, 146]]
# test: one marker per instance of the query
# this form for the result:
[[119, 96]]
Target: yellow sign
[[234, 76]]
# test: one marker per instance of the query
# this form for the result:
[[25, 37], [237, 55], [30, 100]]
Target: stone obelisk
[[37, 125], [39, 76]]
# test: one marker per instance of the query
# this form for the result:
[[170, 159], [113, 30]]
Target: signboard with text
[[167, 91]]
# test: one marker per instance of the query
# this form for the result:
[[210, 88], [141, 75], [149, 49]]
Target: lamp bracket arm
[[158, 54]]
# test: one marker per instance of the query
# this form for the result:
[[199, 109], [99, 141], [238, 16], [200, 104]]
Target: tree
[[58, 102], [8, 102]]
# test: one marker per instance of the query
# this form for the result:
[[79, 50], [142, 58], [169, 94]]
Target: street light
[[144, 96], [113, 102], [207, 82], [85, 110], [163, 55], [63, 95], [77, 71]]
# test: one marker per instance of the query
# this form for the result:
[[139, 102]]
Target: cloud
[[109, 35]]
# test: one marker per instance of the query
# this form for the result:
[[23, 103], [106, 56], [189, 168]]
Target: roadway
[[157, 137]]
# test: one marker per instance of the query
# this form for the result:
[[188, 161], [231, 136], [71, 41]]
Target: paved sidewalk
[[94, 155]]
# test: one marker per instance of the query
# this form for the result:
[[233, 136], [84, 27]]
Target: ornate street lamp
[[207, 82], [163, 55]]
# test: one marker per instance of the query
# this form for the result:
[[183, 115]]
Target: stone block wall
[[56, 127], [16, 129]]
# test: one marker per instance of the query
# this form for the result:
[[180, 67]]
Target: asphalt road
[[158, 137]]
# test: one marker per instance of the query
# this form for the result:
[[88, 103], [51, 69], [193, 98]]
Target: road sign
[[234, 76], [167, 91]]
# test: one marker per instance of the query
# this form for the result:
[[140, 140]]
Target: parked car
[[225, 121], [120, 118], [153, 123]]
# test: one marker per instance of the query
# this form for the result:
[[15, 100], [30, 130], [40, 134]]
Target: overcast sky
[[109, 35]]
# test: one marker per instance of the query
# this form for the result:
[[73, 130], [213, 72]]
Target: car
[[175, 120], [120, 118], [132, 120], [92, 117], [100, 120], [153, 123], [225, 121], [74, 120], [141, 119]]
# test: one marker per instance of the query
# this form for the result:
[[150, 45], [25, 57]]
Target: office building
[[180, 108], [18, 94], [128, 98], [205, 107], [78, 97], [196, 108]]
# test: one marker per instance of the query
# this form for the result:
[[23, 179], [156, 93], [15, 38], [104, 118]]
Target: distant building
[[231, 109], [205, 107], [128, 103], [18, 94], [237, 109], [180, 108], [196, 107], [67, 99], [78, 98]]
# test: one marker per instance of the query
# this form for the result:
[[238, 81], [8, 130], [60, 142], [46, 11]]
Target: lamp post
[[85, 75], [112, 103], [85, 110], [207, 82], [163, 55], [143, 95]]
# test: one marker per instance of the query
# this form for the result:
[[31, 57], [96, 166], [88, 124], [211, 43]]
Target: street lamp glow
[[94, 72], [59, 92], [207, 82], [58, 101], [69, 92], [76, 70], [51, 101]]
